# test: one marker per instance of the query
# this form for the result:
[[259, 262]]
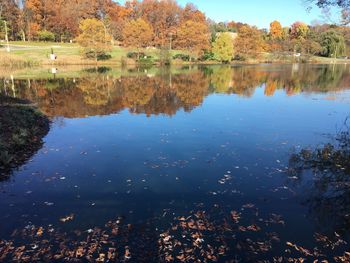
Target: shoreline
[[141, 65]]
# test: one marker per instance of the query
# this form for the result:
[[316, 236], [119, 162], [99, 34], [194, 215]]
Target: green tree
[[333, 43], [94, 38], [223, 47]]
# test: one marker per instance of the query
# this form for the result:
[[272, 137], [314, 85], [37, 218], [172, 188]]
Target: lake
[[207, 163]]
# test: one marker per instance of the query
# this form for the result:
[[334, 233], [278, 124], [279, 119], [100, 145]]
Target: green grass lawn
[[41, 44], [67, 53]]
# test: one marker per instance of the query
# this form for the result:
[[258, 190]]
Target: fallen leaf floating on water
[[300, 249], [101, 258], [111, 253], [344, 258], [196, 236], [40, 231], [253, 228], [80, 252], [127, 254], [67, 218], [332, 243], [235, 216], [248, 206]]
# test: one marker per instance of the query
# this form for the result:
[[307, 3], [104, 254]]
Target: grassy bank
[[38, 53], [22, 128], [24, 54]]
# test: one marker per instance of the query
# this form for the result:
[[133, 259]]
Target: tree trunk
[[23, 36]]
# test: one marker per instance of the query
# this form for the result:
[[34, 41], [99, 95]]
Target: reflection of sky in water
[[103, 166]]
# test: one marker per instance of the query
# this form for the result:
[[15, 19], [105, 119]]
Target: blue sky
[[257, 12]]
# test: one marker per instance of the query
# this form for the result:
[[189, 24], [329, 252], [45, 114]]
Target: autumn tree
[[223, 47], [137, 33], [9, 12], [276, 30], [345, 31], [38, 13], [64, 22], [164, 17], [312, 47], [249, 42], [185, 27], [93, 38], [285, 33], [276, 38], [299, 30], [116, 16], [191, 12], [193, 36], [235, 26]]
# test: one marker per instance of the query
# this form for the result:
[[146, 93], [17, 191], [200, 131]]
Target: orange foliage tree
[[138, 33], [191, 12], [193, 36], [276, 30], [249, 42], [163, 16]]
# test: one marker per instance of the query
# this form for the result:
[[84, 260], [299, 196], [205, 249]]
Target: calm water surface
[[190, 163]]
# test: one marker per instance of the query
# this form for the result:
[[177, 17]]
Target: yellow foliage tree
[[94, 38], [223, 47], [193, 36], [137, 33]]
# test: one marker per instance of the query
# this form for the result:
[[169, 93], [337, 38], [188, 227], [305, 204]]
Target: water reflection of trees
[[303, 78], [99, 93], [329, 166]]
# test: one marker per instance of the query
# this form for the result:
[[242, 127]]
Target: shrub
[[239, 58], [135, 55], [183, 57], [100, 55], [46, 36], [104, 56], [207, 56]]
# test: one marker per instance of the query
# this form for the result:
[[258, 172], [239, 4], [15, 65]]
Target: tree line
[[97, 25]]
